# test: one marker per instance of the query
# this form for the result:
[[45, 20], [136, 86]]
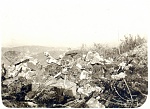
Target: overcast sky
[[71, 22]]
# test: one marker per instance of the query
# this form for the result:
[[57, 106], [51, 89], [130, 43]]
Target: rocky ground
[[76, 79]]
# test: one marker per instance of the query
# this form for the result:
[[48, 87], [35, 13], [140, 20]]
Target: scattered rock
[[89, 78], [94, 103]]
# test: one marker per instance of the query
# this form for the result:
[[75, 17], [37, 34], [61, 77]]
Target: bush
[[130, 42]]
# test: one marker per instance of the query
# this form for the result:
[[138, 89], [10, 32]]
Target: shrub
[[130, 42]]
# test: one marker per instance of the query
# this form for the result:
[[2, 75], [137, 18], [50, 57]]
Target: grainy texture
[[76, 80]]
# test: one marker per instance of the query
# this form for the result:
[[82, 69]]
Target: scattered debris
[[76, 80]]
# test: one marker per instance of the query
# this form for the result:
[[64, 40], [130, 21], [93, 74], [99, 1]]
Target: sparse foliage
[[130, 42]]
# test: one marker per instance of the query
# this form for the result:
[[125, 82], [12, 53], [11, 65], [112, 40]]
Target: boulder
[[35, 86], [32, 65], [97, 59], [86, 90], [30, 75], [89, 56], [72, 53], [69, 87], [119, 76], [79, 66], [84, 75], [94, 103], [11, 71]]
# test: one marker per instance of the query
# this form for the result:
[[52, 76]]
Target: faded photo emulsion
[[74, 53]]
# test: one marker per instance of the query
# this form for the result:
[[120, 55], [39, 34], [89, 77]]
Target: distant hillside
[[31, 50]]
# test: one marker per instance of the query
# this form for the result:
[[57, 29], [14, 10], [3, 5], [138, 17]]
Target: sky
[[70, 23]]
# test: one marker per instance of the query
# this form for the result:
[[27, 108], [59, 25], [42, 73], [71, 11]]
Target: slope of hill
[[32, 50], [36, 52]]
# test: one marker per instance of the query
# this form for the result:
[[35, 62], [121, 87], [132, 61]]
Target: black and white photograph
[[74, 53]]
